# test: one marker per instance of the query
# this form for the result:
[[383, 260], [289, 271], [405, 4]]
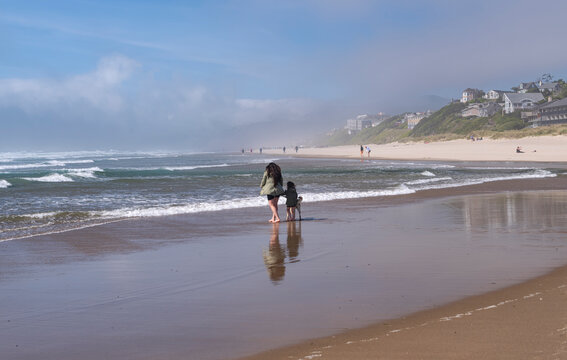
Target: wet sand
[[228, 285]]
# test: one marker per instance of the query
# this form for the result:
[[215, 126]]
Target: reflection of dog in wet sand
[[298, 206]]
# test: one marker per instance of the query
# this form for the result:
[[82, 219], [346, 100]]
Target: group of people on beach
[[362, 149], [272, 187]]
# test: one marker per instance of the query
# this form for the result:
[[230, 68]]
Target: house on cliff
[[494, 94], [471, 94], [520, 101], [486, 109], [552, 113]]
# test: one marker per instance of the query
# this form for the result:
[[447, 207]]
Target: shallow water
[[245, 286], [47, 193]]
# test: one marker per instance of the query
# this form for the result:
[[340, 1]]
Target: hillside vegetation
[[445, 124]]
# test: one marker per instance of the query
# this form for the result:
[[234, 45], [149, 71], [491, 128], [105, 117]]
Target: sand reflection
[[513, 211], [276, 254]]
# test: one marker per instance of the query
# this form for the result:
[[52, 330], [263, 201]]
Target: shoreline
[[138, 240], [521, 321], [525, 320], [535, 149]]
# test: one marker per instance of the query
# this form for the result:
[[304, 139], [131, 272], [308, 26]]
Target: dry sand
[[540, 149]]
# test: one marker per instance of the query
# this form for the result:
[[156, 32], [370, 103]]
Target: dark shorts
[[270, 197]]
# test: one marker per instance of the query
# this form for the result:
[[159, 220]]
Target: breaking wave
[[51, 178]]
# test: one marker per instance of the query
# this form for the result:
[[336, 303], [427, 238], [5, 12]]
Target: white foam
[[50, 163], [427, 173], [341, 195], [257, 201], [24, 166], [427, 181], [4, 184], [85, 173], [40, 215], [181, 168], [184, 209], [51, 178], [67, 162]]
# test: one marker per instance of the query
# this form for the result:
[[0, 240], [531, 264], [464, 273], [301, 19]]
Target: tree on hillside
[[546, 78]]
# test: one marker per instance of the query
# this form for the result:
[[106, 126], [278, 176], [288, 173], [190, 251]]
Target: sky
[[224, 75]]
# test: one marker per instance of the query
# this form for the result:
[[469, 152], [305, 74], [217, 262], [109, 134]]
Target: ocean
[[44, 193]]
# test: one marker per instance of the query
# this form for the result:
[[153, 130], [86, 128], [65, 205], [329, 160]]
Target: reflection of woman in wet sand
[[294, 240], [272, 186], [275, 255]]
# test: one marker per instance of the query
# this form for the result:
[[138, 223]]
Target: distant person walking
[[361, 152], [296, 148], [368, 151], [272, 187]]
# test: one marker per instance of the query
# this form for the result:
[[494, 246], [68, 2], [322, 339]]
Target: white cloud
[[98, 89]]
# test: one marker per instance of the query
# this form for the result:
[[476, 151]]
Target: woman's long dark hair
[[275, 173]]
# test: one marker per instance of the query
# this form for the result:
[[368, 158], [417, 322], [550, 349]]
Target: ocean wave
[[84, 173], [427, 181], [427, 173], [50, 163], [24, 166], [67, 162], [51, 178], [259, 201], [536, 174], [181, 168], [4, 184]]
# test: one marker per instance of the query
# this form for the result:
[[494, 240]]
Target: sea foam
[[257, 201], [24, 166], [84, 173], [4, 184], [51, 178], [427, 181], [181, 168]]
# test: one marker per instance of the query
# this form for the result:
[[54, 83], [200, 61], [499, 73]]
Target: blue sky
[[200, 75]]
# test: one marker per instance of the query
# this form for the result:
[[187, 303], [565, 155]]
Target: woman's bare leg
[[274, 207]]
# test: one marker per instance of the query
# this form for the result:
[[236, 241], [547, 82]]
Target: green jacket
[[269, 188], [291, 196]]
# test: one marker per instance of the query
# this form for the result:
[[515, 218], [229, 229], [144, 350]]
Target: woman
[[272, 186]]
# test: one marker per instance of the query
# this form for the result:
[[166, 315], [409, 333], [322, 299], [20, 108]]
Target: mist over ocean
[[43, 193]]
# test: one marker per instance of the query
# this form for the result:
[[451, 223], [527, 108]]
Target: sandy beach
[[442, 271], [204, 287], [536, 149]]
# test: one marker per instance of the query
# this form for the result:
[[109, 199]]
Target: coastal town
[[536, 103]]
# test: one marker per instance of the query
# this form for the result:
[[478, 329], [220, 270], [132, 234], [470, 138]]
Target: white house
[[481, 110], [414, 118], [470, 94], [494, 94], [359, 123], [550, 86], [525, 87], [553, 113], [520, 101]]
